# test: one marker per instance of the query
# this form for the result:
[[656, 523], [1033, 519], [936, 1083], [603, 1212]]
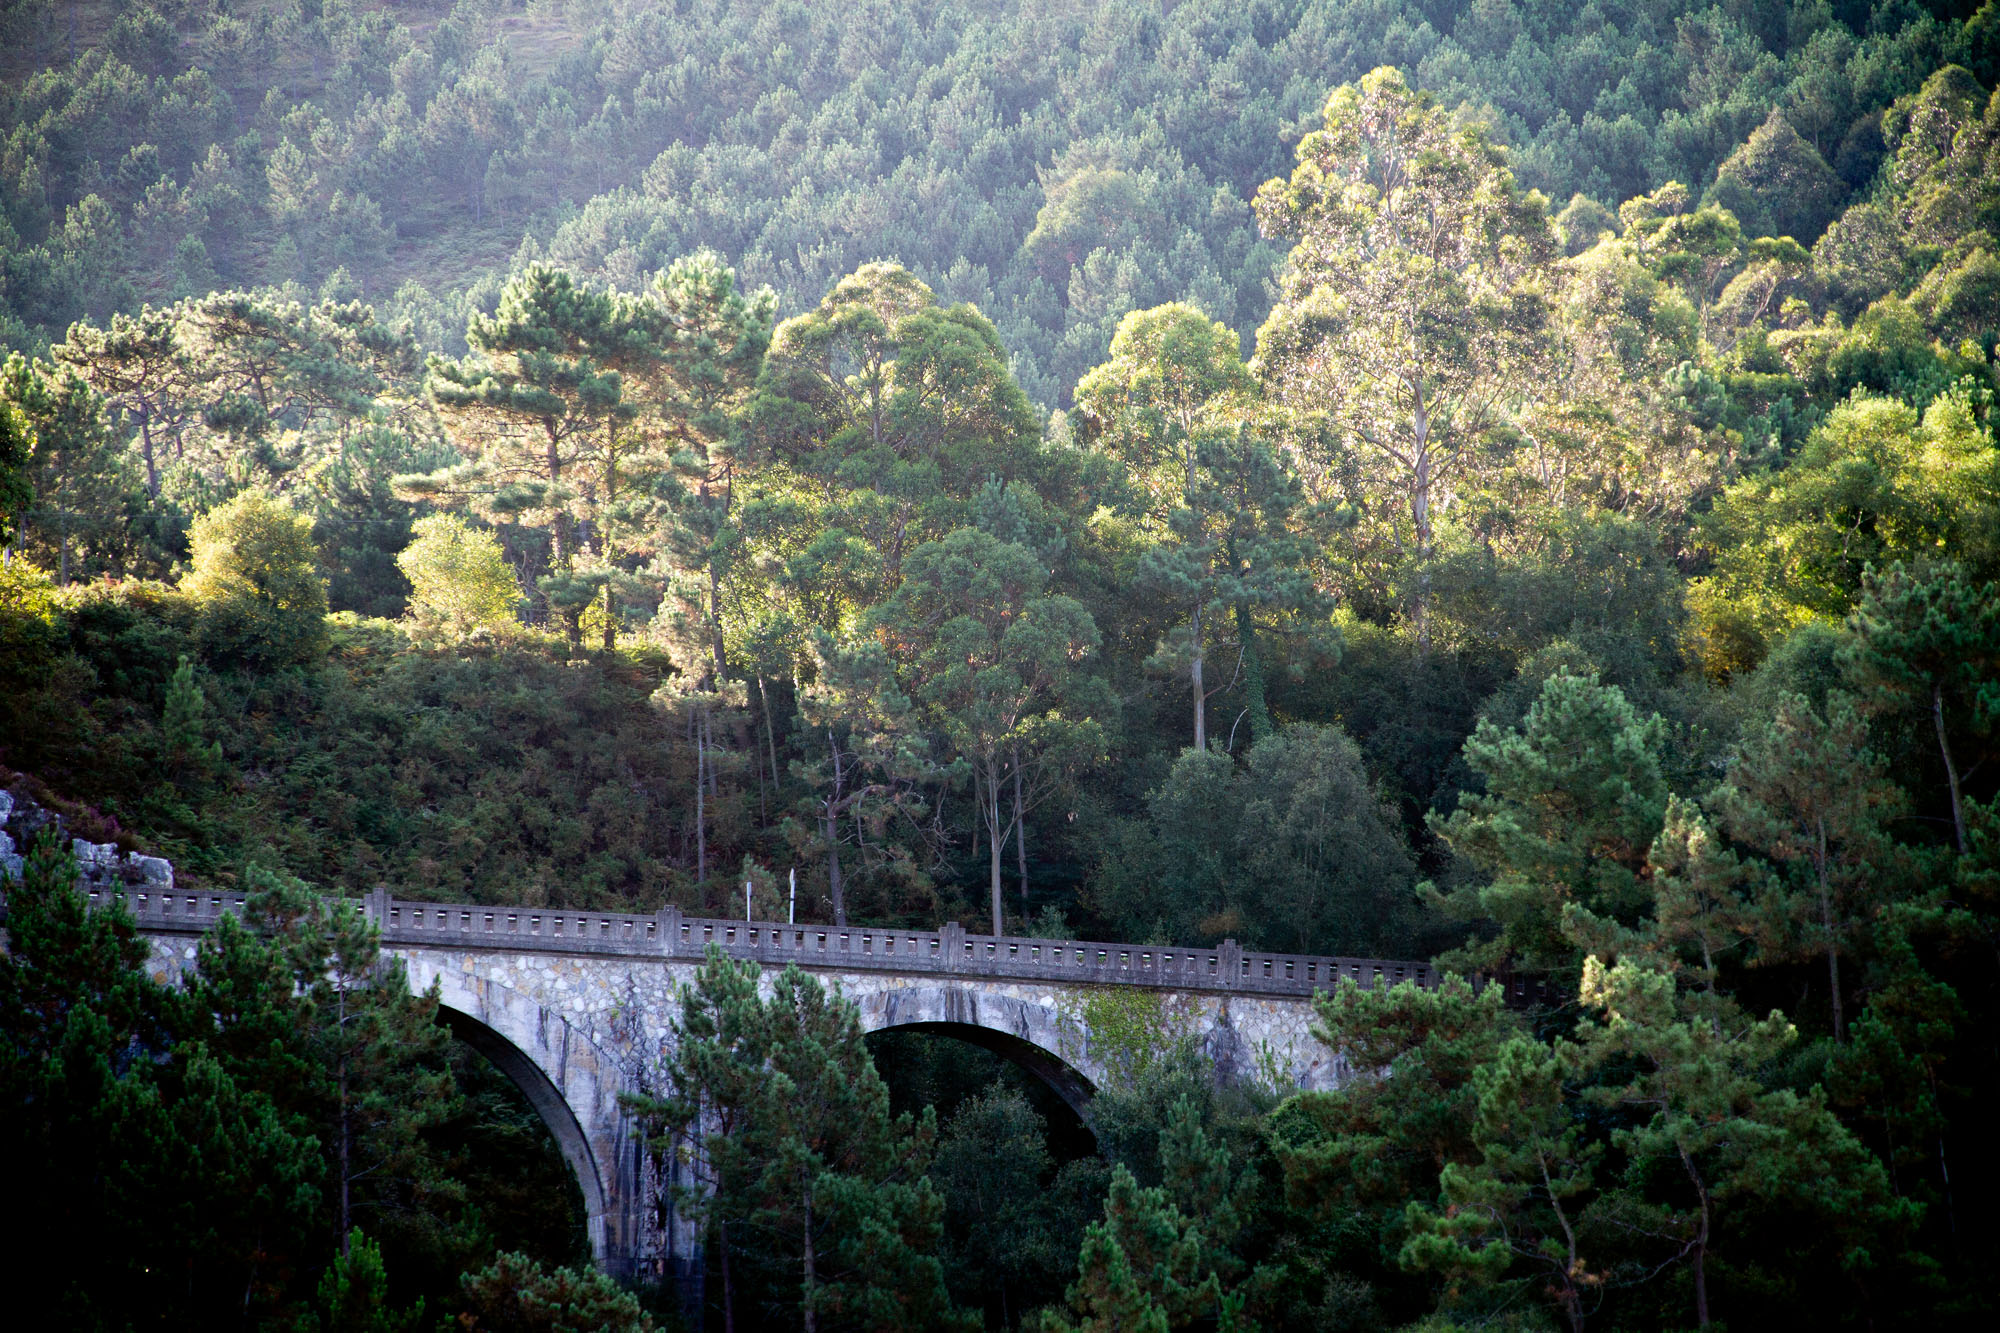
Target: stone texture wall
[[596, 1027]]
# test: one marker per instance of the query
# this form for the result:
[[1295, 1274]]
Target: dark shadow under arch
[[549, 1104], [1061, 1078]]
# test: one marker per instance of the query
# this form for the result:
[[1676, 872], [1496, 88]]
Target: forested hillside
[[1513, 484], [1056, 164]]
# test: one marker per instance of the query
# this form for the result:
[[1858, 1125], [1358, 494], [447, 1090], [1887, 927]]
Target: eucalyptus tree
[[1414, 312], [987, 661], [1175, 405], [894, 411]]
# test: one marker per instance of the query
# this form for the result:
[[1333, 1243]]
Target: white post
[[746, 900], [792, 909]]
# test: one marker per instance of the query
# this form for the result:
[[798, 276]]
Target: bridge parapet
[[949, 951]]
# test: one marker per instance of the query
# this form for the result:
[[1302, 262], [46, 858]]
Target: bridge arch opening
[[548, 1103], [942, 1064], [1055, 1073]]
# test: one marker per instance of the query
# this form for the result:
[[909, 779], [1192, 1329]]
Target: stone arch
[[570, 1081], [1032, 1033], [544, 1097]]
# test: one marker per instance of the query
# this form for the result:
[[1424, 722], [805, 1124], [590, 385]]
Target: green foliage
[[1127, 1030], [991, 663], [1573, 800], [1686, 1075], [1292, 848], [459, 579], [1142, 1268], [1877, 482], [1012, 1220], [836, 564], [30, 631], [17, 442], [354, 1294], [1519, 1204], [1451, 316], [124, 1118], [256, 580], [515, 1294], [1777, 184], [814, 1197]]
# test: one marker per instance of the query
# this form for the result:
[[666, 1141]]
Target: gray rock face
[[10, 857], [91, 855]]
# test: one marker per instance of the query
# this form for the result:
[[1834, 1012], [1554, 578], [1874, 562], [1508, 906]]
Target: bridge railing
[[669, 934]]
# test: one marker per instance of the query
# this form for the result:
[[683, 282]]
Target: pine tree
[[354, 1294], [168, 1185], [546, 422], [1521, 1205], [1806, 792], [1931, 642], [1702, 1134], [711, 340], [1145, 1269], [514, 1294], [308, 1006], [1573, 800], [818, 1192]]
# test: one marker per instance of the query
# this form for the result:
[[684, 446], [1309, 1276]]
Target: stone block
[[153, 871], [90, 854]]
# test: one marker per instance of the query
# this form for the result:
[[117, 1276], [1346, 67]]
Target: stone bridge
[[576, 1007]]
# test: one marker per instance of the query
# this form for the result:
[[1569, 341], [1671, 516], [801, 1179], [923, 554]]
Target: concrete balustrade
[[949, 951]]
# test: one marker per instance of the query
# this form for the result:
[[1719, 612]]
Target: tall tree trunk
[[610, 622], [770, 739], [1253, 675], [1020, 836], [1700, 1247], [833, 883], [1832, 940], [700, 806], [708, 732], [728, 1283], [345, 1148], [1950, 768], [993, 839], [146, 451], [1194, 678], [811, 1274], [1420, 518], [346, 1161], [715, 620]]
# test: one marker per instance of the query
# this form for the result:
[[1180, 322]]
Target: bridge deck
[[950, 951]]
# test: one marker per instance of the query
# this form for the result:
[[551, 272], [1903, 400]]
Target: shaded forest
[[1505, 483]]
